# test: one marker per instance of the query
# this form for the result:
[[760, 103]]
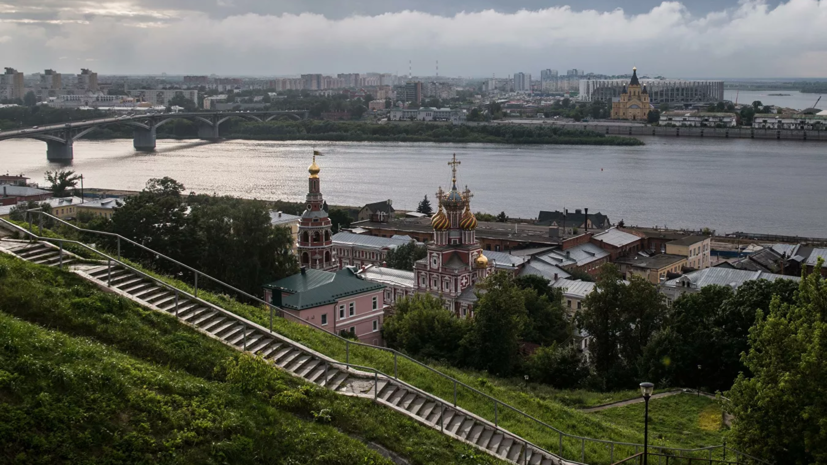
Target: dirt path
[[636, 400]]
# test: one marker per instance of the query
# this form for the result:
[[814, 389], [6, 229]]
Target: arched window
[[327, 236], [305, 237], [316, 236], [327, 257], [305, 258]]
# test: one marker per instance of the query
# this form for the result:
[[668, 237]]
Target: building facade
[[696, 249], [698, 119], [163, 96], [315, 246], [12, 85], [633, 103], [522, 82], [672, 91], [291, 222], [361, 250], [455, 262], [427, 114], [805, 122]]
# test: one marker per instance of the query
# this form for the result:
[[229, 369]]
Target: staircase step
[[494, 443], [137, 287], [515, 451], [252, 340], [309, 367], [231, 332], [398, 396], [338, 380], [547, 461], [283, 352], [204, 317], [270, 350], [474, 433], [215, 330], [406, 401], [433, 416], [147, 293], [129, 282], [47, 259], [327, 379], [259, 345], [291, 355], [237, 339], [534, 458], [485, 438], [387, 391], [416, 405], [427, 408], [455, 423], [191, 313], [295, 363]]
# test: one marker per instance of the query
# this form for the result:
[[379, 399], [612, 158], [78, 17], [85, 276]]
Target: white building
[[427, 114], [769, 121], [696, 280], [362, 250], [700, 119], [398, 283], [522, 82]]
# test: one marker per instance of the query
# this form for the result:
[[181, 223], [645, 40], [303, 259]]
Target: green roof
[[314, 288]]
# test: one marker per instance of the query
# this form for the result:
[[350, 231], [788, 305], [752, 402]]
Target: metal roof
[[374, 242], [314, 288], [538, 268], [689, 240], [616, 237], [503, 259], [815, 255], [277, 218], [389, 276], [54, 202], [12, 190], [723, 277], [578, 255], [655, 262], [572, 288], [102, 203]]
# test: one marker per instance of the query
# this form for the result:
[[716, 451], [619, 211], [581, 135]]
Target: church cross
[[454, 164], [440, 194], [467, 195]]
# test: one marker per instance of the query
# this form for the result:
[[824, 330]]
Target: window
[[324, 319], [352, 308], [376, 325], [376, 303], [353, 329], [579, 305], [568, 302], [341, 312]]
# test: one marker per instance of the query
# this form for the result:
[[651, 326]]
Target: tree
[[425, 206], [757, 105], [747, 115], [404, 256], [61, 181], [559, 365], [485, 217], [781, 407], [339, 218], [422, 327], [663, 107], [30, 99], [493, 343], [653, 117], [180, 101], [502, 218], [547, 322]]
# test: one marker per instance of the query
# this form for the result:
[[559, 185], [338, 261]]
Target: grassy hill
[[87, 377]]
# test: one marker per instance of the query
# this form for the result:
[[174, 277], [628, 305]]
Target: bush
[[558, 365]]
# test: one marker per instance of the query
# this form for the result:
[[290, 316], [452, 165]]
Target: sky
[[472, 38]]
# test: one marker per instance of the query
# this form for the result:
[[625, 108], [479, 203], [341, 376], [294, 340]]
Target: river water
[[790, 99], [729, 185]]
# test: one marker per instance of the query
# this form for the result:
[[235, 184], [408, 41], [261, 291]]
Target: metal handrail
[[273, 308]]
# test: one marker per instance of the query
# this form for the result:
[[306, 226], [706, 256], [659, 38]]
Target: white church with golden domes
[[455, 262]]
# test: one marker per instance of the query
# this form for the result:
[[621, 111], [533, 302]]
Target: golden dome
[[468, 221], [481, 261], [314, 169], [440, 222]]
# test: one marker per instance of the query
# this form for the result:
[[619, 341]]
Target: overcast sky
[[697, 38]]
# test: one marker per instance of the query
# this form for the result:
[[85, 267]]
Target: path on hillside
[[726, 418]]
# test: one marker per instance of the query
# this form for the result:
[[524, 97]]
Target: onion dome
[[634, 81], [468, 221], [314, 169], [454, 200], [481, 261], [440, 221]]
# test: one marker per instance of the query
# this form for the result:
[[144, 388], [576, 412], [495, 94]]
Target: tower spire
[[454, 164]]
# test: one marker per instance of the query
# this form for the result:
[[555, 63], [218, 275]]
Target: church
[[455, 261], [633, 103]]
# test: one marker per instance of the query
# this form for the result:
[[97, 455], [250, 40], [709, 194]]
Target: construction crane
[[815, 105]]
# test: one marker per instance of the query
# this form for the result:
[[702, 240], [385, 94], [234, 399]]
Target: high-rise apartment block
[[350, 79], [50, 85], [522, 82], [11, 84], [548, 75], [411, 92], [312, 81], [87, 81]]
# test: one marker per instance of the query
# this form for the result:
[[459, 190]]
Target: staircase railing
[[499, 407]]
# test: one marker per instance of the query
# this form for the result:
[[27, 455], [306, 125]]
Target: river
[[730, 185], [790, 99]]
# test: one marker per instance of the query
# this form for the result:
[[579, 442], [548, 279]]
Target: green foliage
[[547, 322], [61, 180], [485, 217], [502, 218], [228, 238], [180, 101], [621, 319], [114, 383], [425, 206], [30, 100], [653, 117], [340, 218], [404, 256], [781, 407], [561, 366], [500, 317], [421, 326]]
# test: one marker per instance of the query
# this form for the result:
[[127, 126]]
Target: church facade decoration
[[633, 103], [454, 262], [315, 243]]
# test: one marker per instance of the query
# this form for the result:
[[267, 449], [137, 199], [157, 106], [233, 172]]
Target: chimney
[[304, 269], [4, 191], [586, 221], [279, 214], [555, 277]]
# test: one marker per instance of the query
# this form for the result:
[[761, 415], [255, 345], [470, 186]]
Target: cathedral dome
[[468, 221], [440, 221], [454, 200], [481, 261], [314, 169]]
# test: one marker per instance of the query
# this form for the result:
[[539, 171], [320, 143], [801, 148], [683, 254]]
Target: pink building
[[334, 301]]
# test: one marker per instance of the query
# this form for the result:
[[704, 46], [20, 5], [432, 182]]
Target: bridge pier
[[60, 151], [208, 132], [144, 139]]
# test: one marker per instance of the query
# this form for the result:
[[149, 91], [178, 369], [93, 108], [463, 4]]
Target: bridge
[[60, 138]]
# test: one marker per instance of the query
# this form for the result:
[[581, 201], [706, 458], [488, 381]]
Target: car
[[35, 127]]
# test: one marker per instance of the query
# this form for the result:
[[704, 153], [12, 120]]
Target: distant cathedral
[[455, 262], [633, 103]]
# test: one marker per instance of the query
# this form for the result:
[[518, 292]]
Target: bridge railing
[[451, 390]]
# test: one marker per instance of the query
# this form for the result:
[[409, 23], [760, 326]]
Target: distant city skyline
[[726, 39]]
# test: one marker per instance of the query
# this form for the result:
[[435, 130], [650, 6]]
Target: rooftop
[[723, 277], [578, 255], [504, 260], [574, 288], [314, 288], [689, 240], [655, 262], [103, 203], [11, 190], [815, 255], [279, 218], [616, 237], [485, 229], [54, 202], [364, 240], [389, 276], [539, 268]]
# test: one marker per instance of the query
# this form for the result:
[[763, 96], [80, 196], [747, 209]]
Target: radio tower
[[437, 69], [410, 74]]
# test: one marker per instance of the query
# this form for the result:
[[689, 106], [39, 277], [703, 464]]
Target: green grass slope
[[87, 377]]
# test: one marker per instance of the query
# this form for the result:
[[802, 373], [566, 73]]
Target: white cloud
[[750, 39]]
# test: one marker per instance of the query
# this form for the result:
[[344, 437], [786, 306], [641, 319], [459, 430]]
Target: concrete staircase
[[293, 357]]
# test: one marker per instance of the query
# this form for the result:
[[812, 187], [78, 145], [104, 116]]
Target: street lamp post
[[646, 389]]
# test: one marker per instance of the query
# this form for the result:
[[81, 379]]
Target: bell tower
[[315, 243]]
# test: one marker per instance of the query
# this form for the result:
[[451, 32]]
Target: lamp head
[[646, 389]]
